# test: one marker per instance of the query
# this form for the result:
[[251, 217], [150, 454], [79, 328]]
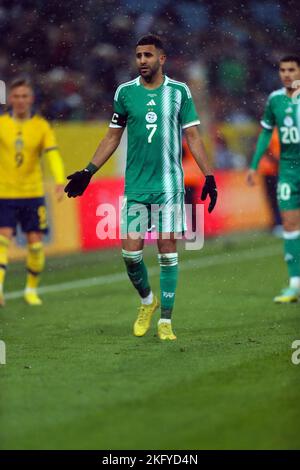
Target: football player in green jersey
[[155, 109], [283, 110]]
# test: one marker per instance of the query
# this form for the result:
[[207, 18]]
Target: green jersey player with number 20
[[283, 111], [155, 109]]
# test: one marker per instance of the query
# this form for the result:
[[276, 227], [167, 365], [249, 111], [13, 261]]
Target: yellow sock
[[32, 281], [4, 244], [2, 277], [35, 264]]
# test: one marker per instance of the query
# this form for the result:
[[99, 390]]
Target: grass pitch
[[76, 378]]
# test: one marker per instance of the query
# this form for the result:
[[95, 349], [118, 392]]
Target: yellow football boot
[[288, 296], [143, 321], [31, 297], [165, 331]]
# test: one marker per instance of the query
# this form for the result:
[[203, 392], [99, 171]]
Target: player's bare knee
[[133, 244], [291, 221], [166, 246], [291, 226], [34, 237]]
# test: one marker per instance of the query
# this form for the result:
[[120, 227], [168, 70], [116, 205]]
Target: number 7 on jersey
[[153, 128]]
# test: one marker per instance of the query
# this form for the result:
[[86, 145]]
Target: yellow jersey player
[[24, 137]]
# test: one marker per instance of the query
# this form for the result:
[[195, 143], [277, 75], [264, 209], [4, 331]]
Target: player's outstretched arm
[[80, 179], [262, 145], [198, 151]]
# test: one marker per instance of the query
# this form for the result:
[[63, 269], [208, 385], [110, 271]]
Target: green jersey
[[154, 119], [283, 112]]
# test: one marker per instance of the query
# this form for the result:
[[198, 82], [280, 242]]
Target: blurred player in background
[[24, 137], [283, 110], [155, 109], [268, 168]]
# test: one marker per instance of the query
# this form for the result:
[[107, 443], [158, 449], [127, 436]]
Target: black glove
[[210, 189], [78, 182]]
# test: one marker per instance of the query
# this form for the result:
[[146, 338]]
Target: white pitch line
[[196, 263]]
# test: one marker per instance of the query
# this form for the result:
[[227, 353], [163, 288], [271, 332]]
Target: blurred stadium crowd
[[77, 52]]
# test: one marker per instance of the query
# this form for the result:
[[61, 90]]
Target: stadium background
[[77, 53]]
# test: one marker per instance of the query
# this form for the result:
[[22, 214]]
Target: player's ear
[[162, 58]]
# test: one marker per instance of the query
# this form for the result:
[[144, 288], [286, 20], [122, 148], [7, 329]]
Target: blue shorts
[[30, 214]]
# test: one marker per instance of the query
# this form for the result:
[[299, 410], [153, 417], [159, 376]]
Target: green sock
[[168, 281], [137, 271], [292, 252]]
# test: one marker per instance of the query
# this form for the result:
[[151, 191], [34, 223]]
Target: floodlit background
[[78, 52]]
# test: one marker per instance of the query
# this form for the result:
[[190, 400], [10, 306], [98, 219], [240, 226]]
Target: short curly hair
[[151, 39]]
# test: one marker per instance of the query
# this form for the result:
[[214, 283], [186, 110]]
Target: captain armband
[[118, 120]]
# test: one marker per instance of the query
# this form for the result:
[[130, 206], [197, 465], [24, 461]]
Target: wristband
[[92, 168]]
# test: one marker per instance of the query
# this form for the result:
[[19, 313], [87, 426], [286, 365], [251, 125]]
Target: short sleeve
[[119, 117], [49, 140], [268, 119], [188, 114]]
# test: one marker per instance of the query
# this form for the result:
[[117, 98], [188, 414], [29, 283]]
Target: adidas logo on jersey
[[151, 103]]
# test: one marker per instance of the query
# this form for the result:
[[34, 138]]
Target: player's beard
[[148, 77], [290, 90]]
